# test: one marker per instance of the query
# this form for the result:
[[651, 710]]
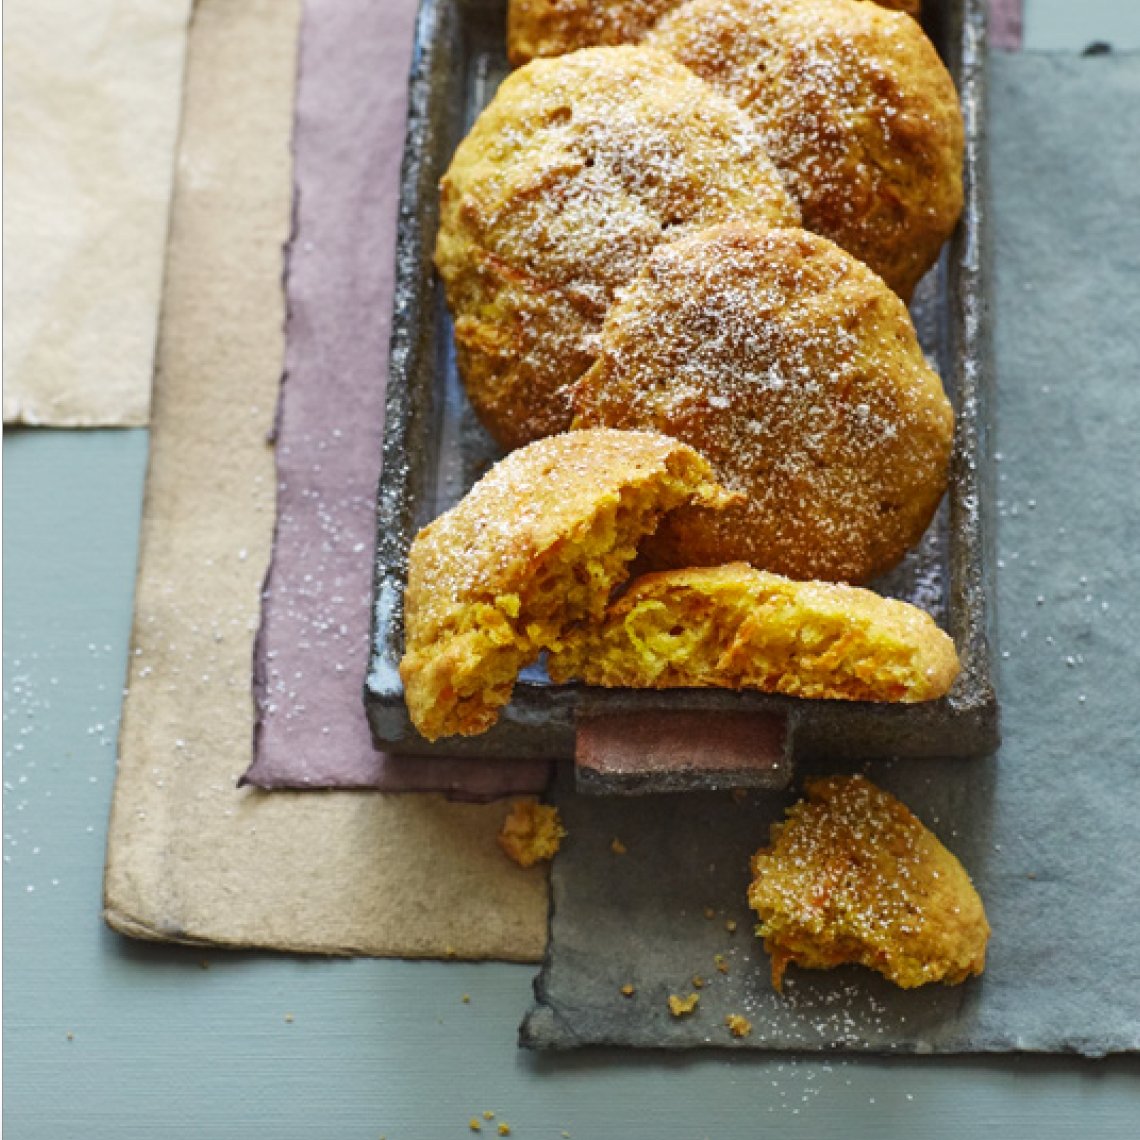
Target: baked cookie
[[856, 109], [554, 27], [738, 628], [538, 544], [576, 170], [798, 374], [853, 877]]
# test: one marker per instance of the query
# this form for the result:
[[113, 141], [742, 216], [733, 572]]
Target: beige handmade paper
[[92, 101], [190, 857]]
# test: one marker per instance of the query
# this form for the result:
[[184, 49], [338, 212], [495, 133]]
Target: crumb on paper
[[730, 925], [466, 999], [488, 1114], [289, 1018], [504, 1129], [531, 832], [698, 982], [70, 1035], [617, 847], [627, 990], [679, 1006], [738, 1025], [710, 913], [449, 951], [474, 1124], [721, 963]]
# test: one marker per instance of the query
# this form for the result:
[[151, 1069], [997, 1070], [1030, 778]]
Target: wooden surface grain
[[105, 1038]]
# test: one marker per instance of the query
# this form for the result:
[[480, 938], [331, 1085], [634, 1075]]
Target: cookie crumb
[[738, 1025], [474, 1124], [721, 963], [679, 1006], [730, 925], [466, 999], [710, 913], [531, 832], [488, 1114], [617, 847], [289, 1018], [504, 1129], [627, 990], [698, 982], [70, 1035]]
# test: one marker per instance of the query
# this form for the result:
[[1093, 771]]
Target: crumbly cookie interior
[[735, 627], [468, 672]]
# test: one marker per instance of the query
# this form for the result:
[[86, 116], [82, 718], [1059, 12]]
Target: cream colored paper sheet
[[92, 101], [191, 858]]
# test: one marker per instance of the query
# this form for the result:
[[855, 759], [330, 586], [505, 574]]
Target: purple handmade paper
[[1005, 25], [312, 649]]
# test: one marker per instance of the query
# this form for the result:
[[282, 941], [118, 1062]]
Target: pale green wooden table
[[109, 1039]]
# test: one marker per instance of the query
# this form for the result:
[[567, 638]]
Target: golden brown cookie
[[554, 27], [856, 110], [738, 628], [853, 877], [576, 170], [538, 544], [798, 374]]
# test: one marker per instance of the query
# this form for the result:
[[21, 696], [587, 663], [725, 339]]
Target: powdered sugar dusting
[[800, 377], [578, 169], [855, 109]]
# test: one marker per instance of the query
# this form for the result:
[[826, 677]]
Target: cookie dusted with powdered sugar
[[554, 27], [538, 544], [575, 172], [852, 876], [855, 108], [798, 374]]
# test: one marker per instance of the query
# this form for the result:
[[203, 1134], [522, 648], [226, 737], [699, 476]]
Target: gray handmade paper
[[1047, 827]]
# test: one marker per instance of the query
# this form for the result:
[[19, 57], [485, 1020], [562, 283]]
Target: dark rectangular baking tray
[[434, 448]]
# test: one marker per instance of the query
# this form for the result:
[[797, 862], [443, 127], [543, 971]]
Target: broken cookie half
[[536, 547], [852, 876], [736, 627]]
